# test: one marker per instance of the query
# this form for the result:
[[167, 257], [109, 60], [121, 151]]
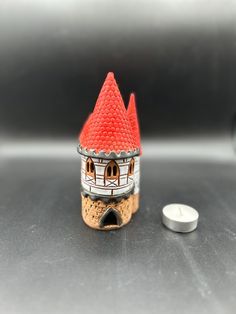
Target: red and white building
[[110, 147]]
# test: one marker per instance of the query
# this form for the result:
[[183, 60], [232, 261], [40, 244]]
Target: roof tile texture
[[133, 118], [108, 128]]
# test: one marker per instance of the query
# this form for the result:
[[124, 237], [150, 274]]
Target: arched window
[[90, 169], [112, 171], [131, 167]]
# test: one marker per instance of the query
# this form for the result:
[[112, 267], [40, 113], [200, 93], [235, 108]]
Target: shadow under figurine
[[109, 145]]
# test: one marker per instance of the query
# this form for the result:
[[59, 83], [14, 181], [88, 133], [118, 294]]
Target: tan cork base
[[135, 202], [94, 211]]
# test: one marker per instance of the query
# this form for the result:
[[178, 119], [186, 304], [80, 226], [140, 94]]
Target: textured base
[[135, 202], [94, 212]]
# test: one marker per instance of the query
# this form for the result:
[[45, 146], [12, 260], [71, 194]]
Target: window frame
[[90, 168], [131, 167], [111, 176]]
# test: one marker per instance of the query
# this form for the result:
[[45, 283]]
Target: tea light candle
[[180, 217]]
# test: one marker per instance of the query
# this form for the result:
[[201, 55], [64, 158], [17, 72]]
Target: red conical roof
[[133, 118], [108, 128]]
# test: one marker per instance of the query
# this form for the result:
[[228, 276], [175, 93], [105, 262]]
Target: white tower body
[[136, 174], [100, 184]]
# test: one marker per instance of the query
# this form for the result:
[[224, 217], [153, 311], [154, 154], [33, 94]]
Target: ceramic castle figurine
[[109, 145]]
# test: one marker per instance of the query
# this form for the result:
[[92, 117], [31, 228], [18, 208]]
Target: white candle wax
[[180, 217]]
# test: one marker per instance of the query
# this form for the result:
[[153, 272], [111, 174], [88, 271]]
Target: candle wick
[[181, 214]]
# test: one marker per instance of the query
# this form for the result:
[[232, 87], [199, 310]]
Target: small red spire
[[133, 118], [108, 128]]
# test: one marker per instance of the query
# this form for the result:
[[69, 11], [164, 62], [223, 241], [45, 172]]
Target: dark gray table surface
[[50, 262]]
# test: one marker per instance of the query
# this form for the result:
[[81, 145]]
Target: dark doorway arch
[[110, 218]]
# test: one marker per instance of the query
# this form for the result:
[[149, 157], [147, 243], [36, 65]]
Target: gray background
[[179, 57]]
